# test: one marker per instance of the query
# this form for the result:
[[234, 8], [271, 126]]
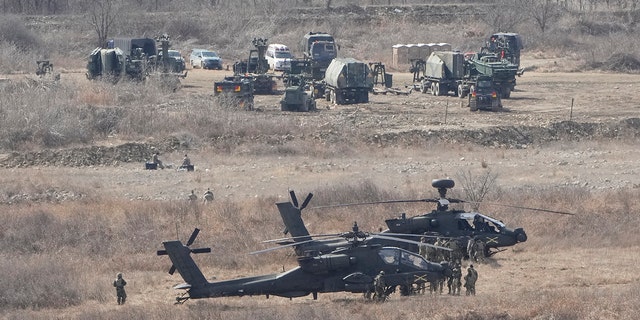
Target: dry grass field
[[77, 206]]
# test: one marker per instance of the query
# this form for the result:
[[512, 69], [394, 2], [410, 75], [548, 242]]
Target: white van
[[278, 57]]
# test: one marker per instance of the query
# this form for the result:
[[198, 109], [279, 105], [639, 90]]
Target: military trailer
[[348, 80], [442, 72], [235, 91], [483, 95]]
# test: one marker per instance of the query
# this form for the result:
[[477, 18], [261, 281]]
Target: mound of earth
[[622, 62], [509, 137]]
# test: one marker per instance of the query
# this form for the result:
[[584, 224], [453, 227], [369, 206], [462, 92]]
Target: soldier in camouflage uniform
[[455, 281], [470, 280], [379, 286], [119, 283], [479, 251]]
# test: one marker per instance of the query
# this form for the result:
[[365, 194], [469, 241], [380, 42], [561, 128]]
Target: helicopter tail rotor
[[192, 238]]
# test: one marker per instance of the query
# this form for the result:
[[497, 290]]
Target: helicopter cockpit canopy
[[396, 256], [480, 219]]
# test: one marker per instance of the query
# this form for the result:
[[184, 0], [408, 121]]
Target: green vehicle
[[297, 98], [235, 91], [348, 80], [484, 96]]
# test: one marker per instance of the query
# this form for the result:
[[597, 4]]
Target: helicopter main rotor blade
[[410, 235], [525, 208], [373, 202], [282, 246], [411, 241], [300, 237]]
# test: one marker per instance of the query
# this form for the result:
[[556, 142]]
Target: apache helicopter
[[442, 222], [304, 245], [349, 269]]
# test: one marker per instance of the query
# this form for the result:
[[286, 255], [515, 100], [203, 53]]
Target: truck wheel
[[433, 88], [327, 95], [473, 105], [437, 92], [365, 97], [460, 92], [506, 93], [423, 87]]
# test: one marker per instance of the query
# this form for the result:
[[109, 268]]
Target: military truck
[[483, 95], [319, 48], [297, 98], [348, 80], [106, 64], [235, 91], [255, 68], [506, 45], [502, 71], [450, 71]]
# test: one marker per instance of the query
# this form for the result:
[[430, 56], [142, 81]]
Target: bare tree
[[477, 187], [103, 15], [542, 12], [504, 15]]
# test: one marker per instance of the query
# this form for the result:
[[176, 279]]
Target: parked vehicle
[[205, 59], [320, 48], [483, 95], [278, 57], [176, 60], [348, 80], [235, 91]]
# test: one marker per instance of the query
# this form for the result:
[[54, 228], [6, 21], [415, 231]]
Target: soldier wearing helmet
[[379, 286], [119, 283]]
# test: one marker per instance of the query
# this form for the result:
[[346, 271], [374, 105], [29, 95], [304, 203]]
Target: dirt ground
[[540, 99]]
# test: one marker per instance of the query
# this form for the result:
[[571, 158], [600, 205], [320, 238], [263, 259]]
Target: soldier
[[208, 196], [155, 159], [471, 248], [470, 280], [119, 283], [479, 251], [379, 286], [186, 163], [455, 280], [192, 196], [456, 253], [422, 249]]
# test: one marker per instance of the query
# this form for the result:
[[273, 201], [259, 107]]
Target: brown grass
[[54, 244]]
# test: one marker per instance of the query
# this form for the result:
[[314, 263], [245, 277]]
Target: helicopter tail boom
[[292, 218], [181, 258]]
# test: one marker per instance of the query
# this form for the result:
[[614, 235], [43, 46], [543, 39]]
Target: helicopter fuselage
[[456, 223], [349, 270]]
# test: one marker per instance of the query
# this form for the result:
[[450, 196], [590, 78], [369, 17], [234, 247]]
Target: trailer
[[446, 72], [348, 80]]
